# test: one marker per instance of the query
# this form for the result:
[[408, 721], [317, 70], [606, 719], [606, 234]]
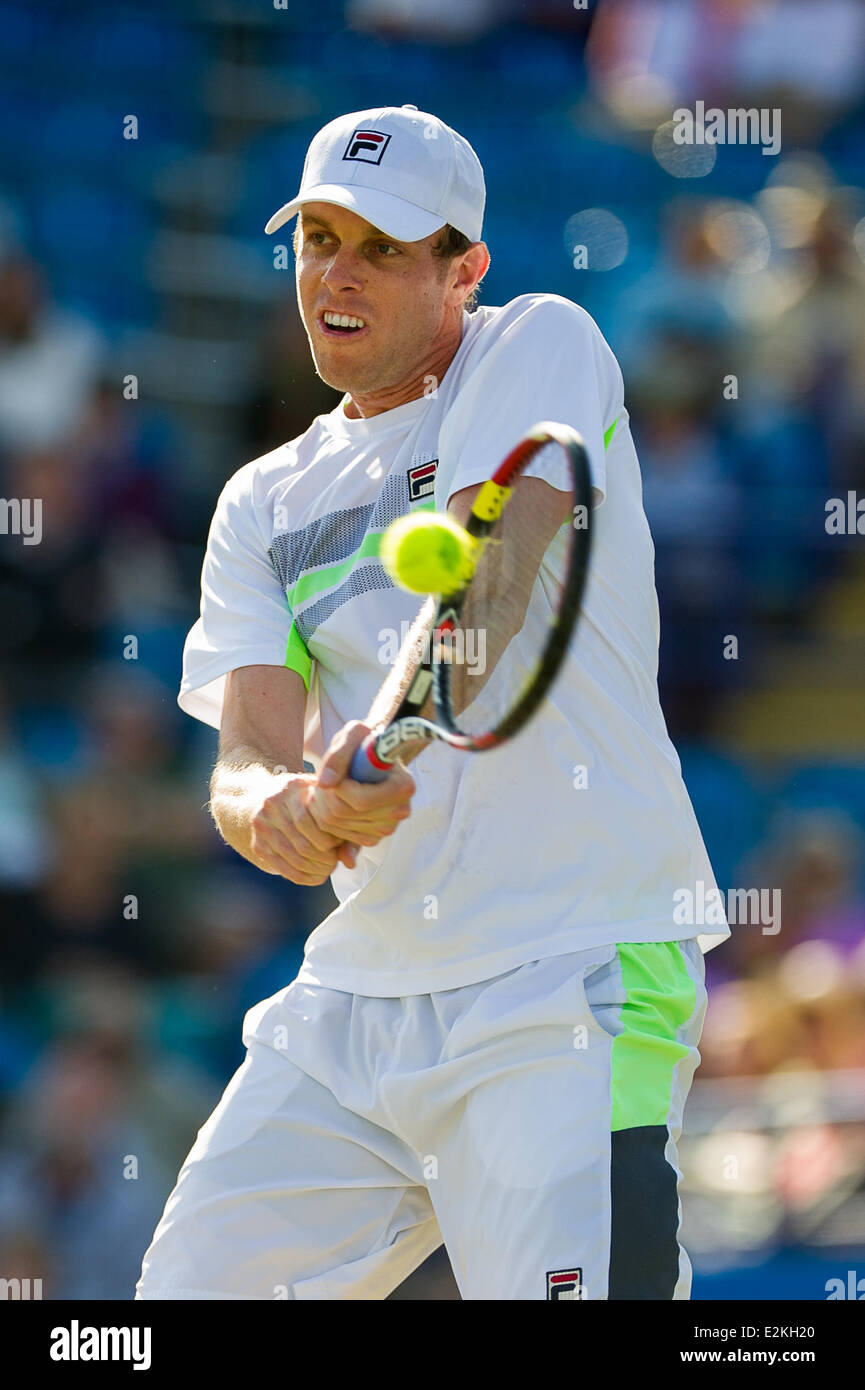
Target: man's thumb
[[337, 760]]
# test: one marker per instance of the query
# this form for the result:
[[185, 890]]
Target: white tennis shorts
[[529, 1121]]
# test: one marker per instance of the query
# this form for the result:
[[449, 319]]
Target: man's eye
[[384, 247]]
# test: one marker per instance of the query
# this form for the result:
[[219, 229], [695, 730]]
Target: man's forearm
[[237, 789]]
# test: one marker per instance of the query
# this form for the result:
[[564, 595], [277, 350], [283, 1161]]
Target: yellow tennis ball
[[426, 553]]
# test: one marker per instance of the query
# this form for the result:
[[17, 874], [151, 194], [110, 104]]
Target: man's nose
[[343, 272]]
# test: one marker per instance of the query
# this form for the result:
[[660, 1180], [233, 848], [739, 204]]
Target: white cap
[[401, 169]]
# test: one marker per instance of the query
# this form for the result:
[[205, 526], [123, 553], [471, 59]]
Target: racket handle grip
[[362, 769]]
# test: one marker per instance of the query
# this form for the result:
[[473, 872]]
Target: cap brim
[[390, 214]]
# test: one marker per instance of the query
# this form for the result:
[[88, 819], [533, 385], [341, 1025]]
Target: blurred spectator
[[83, 1175], [814, 859], [681, 299], [551, 14], [693, 509], [243, 941], [123, 832], [811, 354], [289, 392], [49, 359], [454, 20], [805, 1011], [23, 839], [716, 49], [53, 598], [794, 46], [107, 495]]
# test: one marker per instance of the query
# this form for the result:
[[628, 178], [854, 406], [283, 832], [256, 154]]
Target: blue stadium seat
[[272, 167], [24, 29], [781, 449], [124, 43], [90, 136], [546, 62], [93, 241], [90, 223], [20, 118], [821, 786], [51, 738]]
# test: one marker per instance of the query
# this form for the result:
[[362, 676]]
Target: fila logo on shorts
[[565, 1283], [422, 480], [367, 145]]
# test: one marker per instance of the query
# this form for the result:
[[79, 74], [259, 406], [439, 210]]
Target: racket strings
[[494, 651]]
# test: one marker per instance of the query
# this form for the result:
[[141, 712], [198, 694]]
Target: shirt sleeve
[[548, 362], [245, 618]]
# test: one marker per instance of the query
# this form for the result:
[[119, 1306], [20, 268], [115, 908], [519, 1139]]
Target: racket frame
[[375, 757]]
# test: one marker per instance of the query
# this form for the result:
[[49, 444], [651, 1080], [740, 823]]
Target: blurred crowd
[[131, 940]]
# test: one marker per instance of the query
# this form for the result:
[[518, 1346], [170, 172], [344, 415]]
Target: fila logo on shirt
[[422, 480], [367, 145], [566, 1283]]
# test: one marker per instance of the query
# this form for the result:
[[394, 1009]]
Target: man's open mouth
[[341, 325]]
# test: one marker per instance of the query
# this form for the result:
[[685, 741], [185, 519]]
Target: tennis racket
[[530, 663]]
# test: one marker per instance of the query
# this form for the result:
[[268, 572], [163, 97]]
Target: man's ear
[[473, 266]]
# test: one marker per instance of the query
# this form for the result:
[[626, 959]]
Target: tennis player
[[492, 1036]]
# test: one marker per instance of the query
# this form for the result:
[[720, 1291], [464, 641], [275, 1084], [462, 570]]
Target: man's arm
[[261, 797]]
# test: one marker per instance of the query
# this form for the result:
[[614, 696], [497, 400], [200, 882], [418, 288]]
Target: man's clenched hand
[[361, 813]]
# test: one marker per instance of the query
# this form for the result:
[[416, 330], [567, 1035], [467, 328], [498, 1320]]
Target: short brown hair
[[453, 243]]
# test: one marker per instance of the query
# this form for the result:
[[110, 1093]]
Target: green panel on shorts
[[660, 998], [297, 658]]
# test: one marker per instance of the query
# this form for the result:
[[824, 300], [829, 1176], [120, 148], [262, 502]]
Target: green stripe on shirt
[[297, 658], [316, 581]]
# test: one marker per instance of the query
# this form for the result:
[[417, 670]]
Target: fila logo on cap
[[566, 1284], [367, 145]]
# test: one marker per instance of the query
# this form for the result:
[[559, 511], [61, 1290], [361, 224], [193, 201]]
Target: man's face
[[399, 290]]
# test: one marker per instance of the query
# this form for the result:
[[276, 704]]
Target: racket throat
[[420, 687]]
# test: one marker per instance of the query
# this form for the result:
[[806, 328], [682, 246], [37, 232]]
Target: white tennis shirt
[[580, 831]]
